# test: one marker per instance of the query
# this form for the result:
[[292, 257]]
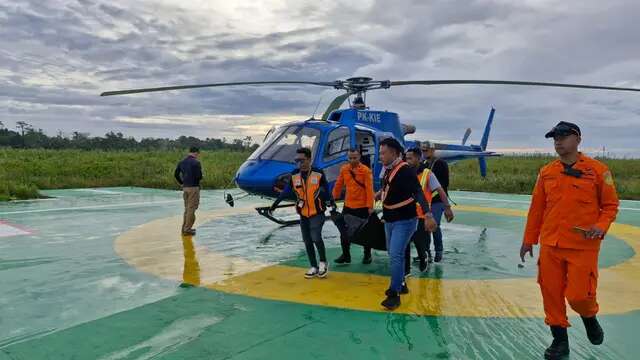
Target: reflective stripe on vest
[[385, 190], [424, 184], [307, 193]]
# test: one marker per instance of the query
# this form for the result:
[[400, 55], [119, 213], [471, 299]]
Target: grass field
[[23, 172]]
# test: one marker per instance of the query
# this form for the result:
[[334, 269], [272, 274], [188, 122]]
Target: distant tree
[[22, 126], [1, 125]]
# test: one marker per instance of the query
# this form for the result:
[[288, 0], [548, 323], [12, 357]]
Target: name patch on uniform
[[608, 178]]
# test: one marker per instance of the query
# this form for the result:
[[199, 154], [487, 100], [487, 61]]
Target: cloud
[[57, 56]]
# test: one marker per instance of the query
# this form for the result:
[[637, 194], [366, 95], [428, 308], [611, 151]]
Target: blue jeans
[[437, 209], [398, 235]]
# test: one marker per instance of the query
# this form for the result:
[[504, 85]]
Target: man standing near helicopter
[[357, 179], [441, 169], [312, 197], [573, 204], [399, 194]]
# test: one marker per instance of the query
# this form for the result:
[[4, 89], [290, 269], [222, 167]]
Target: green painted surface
[[67, 295]]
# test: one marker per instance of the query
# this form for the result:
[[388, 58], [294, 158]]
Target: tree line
[[26, 136]]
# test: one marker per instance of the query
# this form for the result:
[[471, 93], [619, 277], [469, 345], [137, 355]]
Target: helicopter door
[[334, 154], [367, 145]]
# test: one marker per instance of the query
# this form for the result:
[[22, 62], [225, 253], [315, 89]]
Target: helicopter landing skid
[[266, 212]]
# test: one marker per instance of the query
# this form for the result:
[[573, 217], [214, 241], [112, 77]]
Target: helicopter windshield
[[283, 143], [268, 139]]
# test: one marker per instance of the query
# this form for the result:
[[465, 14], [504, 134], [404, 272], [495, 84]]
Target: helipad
[[97, 275]]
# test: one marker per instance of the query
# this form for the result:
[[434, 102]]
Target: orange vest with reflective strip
[[424, 184], [308, 192], [385, 189]]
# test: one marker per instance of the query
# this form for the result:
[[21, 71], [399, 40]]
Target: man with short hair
[[441, 169], [312, 197], [431, 187], [399, 194], [357, 180], [188, 174], [573, 204]]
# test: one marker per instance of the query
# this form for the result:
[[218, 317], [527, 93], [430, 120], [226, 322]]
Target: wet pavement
[[97, 274]]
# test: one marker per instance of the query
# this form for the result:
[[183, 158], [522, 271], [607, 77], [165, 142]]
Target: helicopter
[[267, 170]]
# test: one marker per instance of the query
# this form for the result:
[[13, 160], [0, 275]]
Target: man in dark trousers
[[441, 169], [312, 197], [357, 181], [188, 173], [399, 194]]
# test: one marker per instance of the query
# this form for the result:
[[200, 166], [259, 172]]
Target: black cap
[[563, 129]]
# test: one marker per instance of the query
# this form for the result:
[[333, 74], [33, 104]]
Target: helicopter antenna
[[316, 109]]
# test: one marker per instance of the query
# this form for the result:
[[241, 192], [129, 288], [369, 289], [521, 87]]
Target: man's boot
[[560, 346], [438, 256], [366, 258], [594, 331], [392, 301], [343, 259]]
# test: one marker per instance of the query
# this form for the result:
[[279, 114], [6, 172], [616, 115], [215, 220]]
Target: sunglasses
[[563, 130], [299, 161]]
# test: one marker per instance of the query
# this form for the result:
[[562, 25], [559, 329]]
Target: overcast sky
[[57, 56]]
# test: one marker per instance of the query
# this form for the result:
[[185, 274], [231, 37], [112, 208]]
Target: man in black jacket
[[441, 169], [188, 173], [400, 192]]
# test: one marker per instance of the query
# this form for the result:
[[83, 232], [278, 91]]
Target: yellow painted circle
[[156, 248]]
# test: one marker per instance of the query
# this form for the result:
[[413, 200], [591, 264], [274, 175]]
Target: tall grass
[[517, 175], [23, 172]]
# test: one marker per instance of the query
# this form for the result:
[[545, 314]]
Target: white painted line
[[90, 207], [517, 201]]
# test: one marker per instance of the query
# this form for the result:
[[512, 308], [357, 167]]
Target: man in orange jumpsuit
[[357, 180], [573, 204]]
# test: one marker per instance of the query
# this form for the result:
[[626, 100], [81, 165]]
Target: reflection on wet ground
[[68, 294]]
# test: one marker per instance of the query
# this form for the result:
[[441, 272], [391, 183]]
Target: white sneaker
[[311, 273], [324, 270]]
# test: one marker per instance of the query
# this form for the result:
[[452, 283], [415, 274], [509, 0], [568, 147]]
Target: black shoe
[[423, 265], [403, 291], [392, 301], [559, 348], [343, 259], [438, 256], [367, 259], [594, 331]]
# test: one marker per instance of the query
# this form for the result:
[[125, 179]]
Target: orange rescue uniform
[[568, 262], [359, 186]]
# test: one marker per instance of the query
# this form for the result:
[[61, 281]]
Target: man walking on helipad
[[573, 204]]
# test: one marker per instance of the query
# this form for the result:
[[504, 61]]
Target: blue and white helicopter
[[266, 171]]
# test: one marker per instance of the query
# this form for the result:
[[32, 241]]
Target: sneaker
[[189, 232], [311, 273], [367, 260], [392, 301], [438, 256], [343, 259], [594, 330], [324, 270], [423, 265]]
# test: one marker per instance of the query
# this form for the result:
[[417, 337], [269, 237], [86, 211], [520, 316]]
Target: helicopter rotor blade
[[335, 104], [502, 82], [182, 87]]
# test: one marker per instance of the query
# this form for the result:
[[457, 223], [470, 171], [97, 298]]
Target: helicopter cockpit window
[[283, 146], [272, 134], [338, 144]]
